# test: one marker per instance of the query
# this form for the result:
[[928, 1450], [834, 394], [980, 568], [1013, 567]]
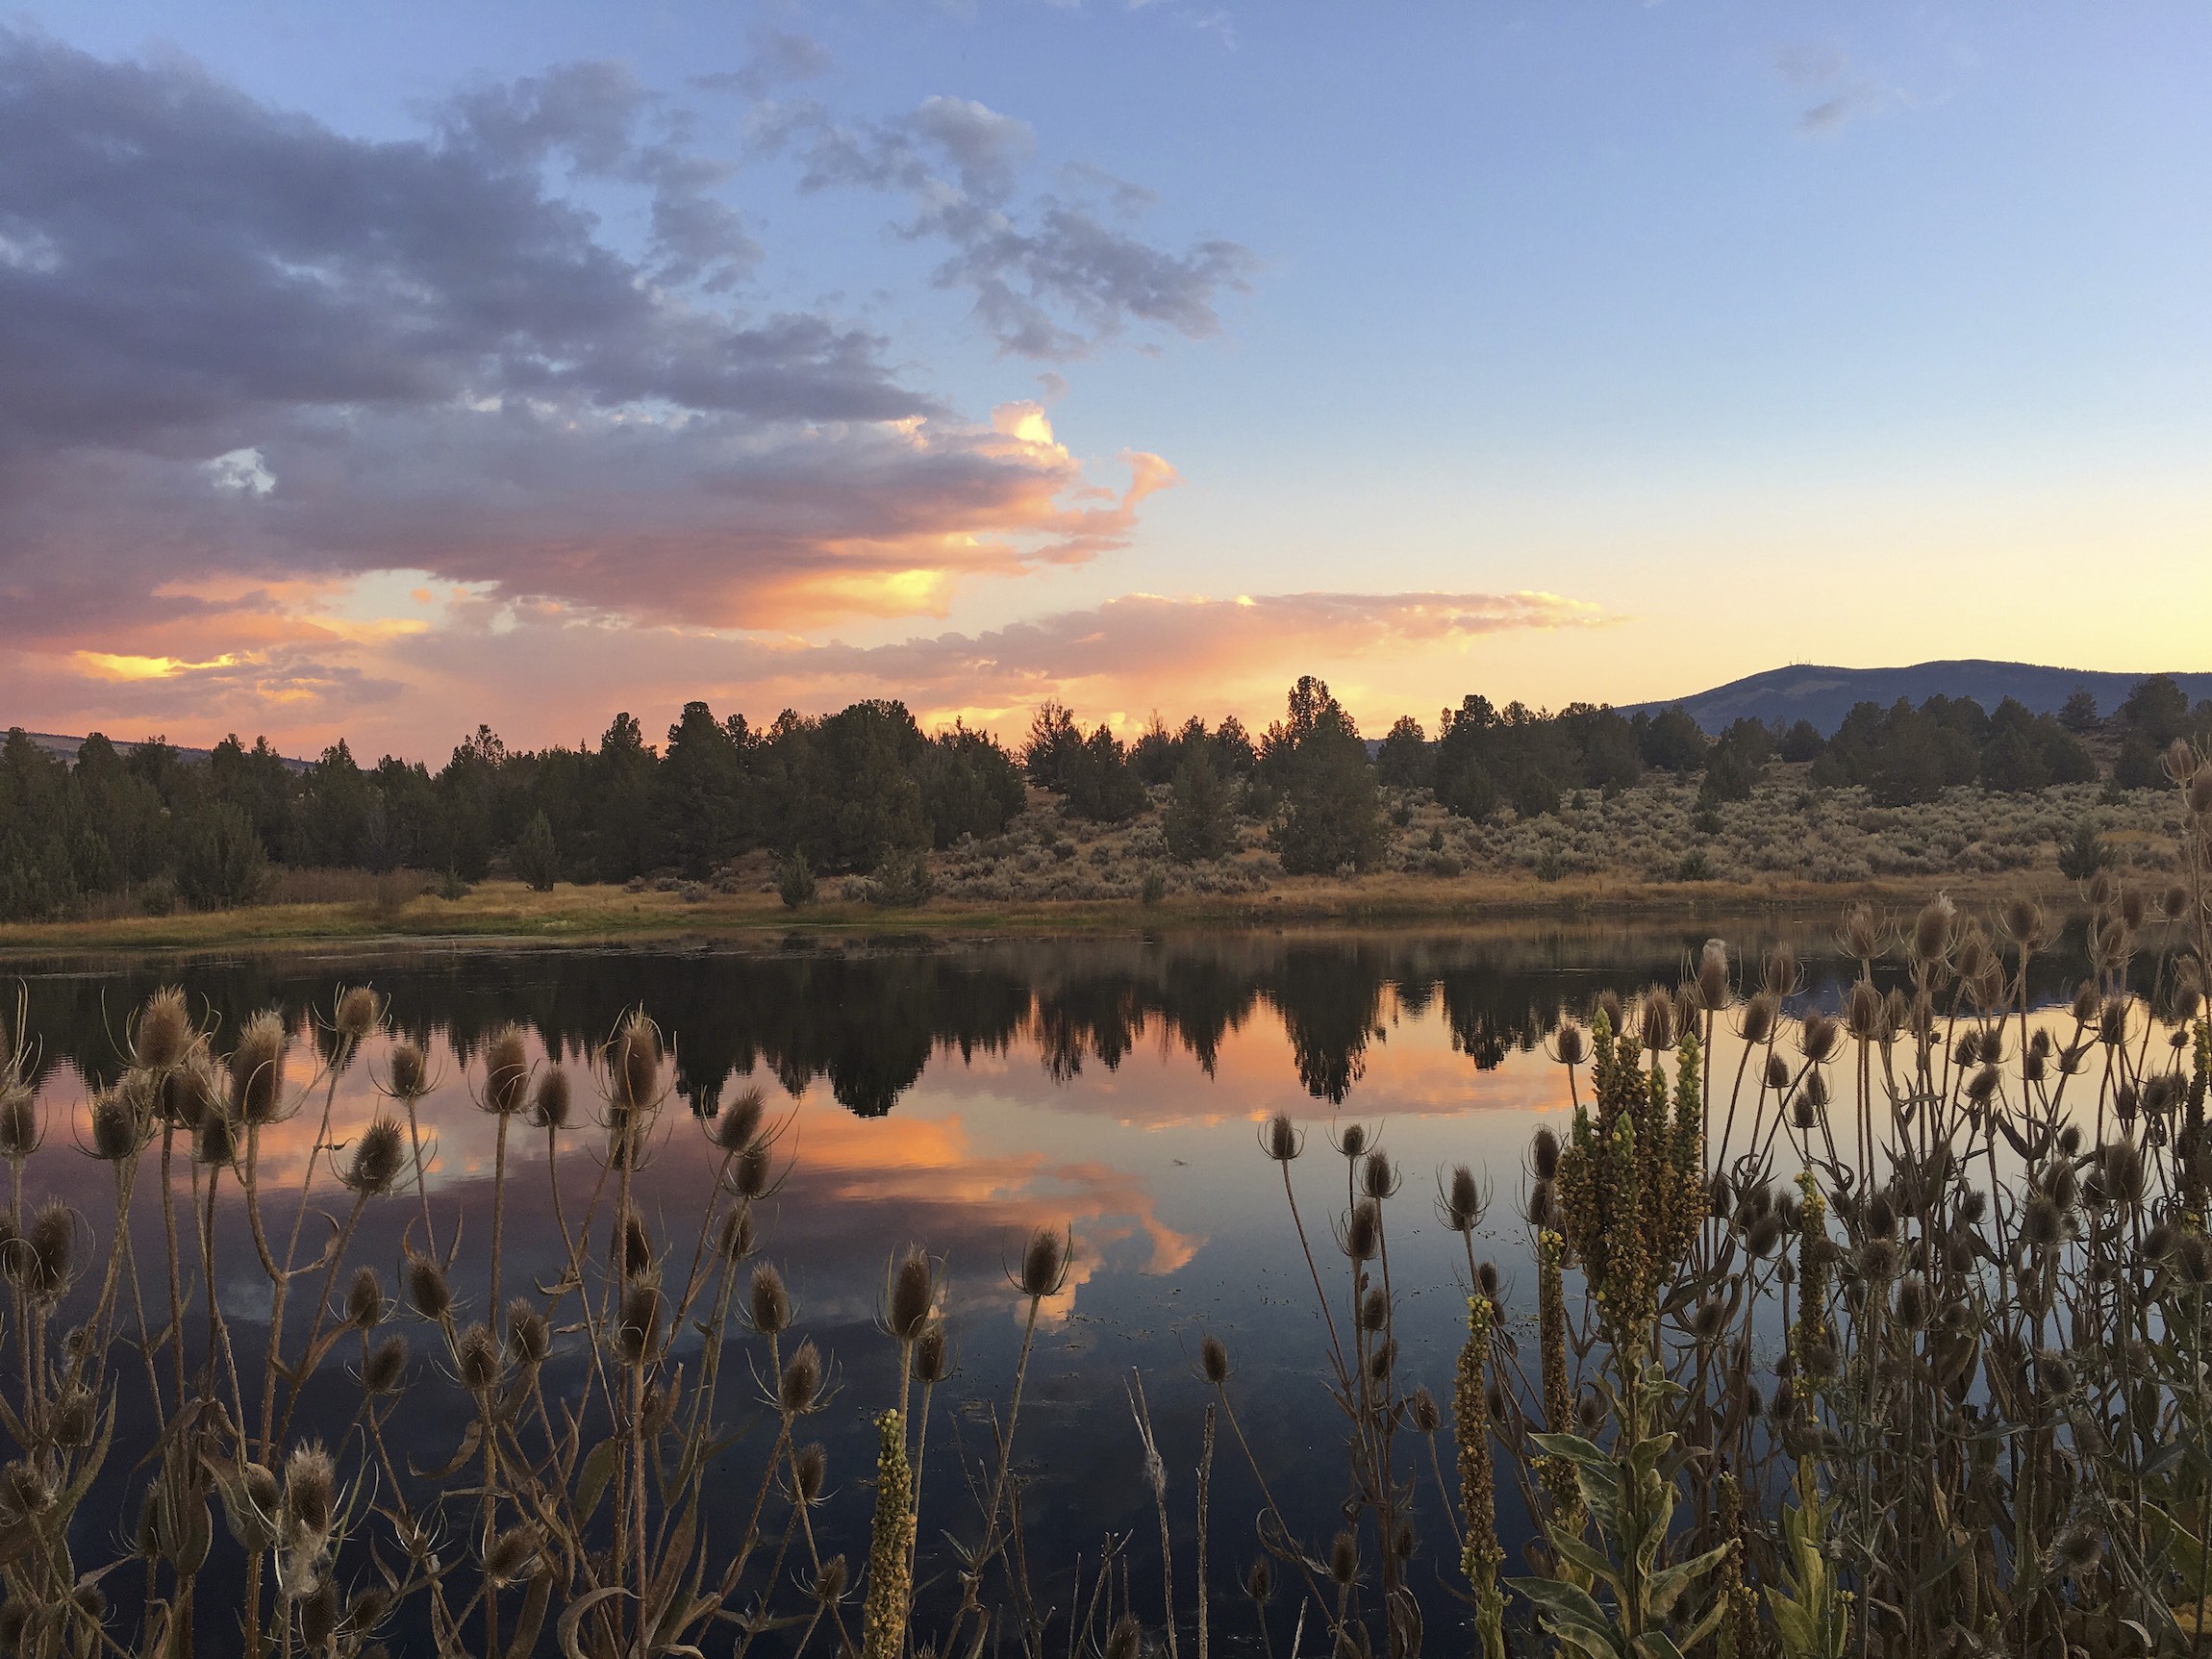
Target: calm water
[[958, 1095]]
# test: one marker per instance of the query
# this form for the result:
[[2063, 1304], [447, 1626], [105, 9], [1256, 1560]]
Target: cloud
[[248, 353], [1826, 72], [777, 58], [542, 673], [1052, 278]]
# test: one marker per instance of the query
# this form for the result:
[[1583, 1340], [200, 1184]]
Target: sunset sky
[[380, 370]]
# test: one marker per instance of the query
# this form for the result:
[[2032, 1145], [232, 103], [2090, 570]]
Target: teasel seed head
[[2088, 1002], [737, 1124], [2040, 1226], [1608, 1007], [1260, 1581], [753, 1172], [257, 1068], [76, 1414], [364, 1299], [1363, 1231], [187, 1090], [1912, 1302], [637, 1246], [379, 1159], [1378, 1179], [1571, 1047], [164, 1033], [1863, 1013], [2201, 792], [910, 1292], [637, 1323], [1708, 1318], [1542, 1158], [550, 1103], [529, 1335], [829, 1583], [1213, 1360], [636, 1078], [367, 1610], [310, 1494], [2134, 908], [1542, 1209], [1934, 930], [1757, 1022], [1045, 1262], [119, 1124], [1711, 977], [1374, 1310], [18, 1122], [1125, 1640], [37, 1262], [1879, 1259], [737, 1240], [1280, 1139], [319, 1613], [428, 1290], [932, 1356], [513, 1555], [1818, 1037], [1655, 1025], [407, 1073], [1352, 1140], [769, 1304], [506, 1072], [385, 1366], [811, 1466], [1589, 1411], [1343, 1559], [1459, 1199], [799, 1389], [476, 1359], [1777, 1074]]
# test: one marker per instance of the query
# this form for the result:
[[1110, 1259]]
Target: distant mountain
[[1826, 696], [65, 749]]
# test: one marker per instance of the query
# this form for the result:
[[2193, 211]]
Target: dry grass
[[1788, 847]]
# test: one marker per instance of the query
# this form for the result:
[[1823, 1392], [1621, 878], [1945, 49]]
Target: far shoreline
[[507, 914]]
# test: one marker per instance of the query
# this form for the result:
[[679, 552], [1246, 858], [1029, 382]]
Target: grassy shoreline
[[508, 913]]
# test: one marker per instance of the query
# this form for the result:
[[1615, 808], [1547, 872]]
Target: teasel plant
[[1884, 1334], [285, 1507]]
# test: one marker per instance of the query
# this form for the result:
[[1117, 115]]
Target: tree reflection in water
[[867, 1017]]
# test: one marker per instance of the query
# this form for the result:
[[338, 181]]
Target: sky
[[379, 371]]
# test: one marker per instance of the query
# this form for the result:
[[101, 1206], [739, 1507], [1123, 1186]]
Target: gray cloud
[[778, 58], [1052, 278], [440, 363]]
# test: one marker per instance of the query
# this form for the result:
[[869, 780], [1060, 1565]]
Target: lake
[[957, 1096]]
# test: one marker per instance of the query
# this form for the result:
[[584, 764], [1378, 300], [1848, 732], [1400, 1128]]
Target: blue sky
[[1857, 334]]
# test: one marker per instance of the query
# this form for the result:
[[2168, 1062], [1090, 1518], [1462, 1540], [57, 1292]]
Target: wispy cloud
[[1054, 276]]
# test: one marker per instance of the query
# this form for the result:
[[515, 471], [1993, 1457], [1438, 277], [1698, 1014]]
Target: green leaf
[[1564, 1606], [592, 1478], [1666, 1587]]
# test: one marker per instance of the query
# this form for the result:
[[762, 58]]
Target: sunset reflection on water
[[957, 1097]]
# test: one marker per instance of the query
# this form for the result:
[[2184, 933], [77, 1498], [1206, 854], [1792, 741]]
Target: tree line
[[864, 789]]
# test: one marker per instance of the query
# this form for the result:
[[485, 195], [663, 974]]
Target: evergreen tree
[[1201, 819], [1331, 815]]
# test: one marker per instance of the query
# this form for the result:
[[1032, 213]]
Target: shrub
[[794, 881], [536, 859], [2085, 854], [901, 881]]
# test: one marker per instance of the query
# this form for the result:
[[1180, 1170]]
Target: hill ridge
[[1824, 694]]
